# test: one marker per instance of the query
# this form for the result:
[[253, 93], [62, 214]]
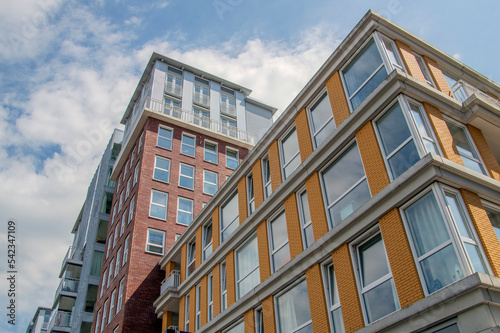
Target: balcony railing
[[72, 254], [171, 329], [171, 281], [173, 88], [201, 99], [67, 285], [59, 319], [462, 90], [228, 109]]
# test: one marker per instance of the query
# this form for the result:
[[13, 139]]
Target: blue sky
[[69, 68]]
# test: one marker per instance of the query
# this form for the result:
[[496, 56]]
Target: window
[[321, 119], [223, 286], [378, 292], [188, 145], [227, 102], [120, 202], [293, 312], [125, 250], [232, 159], [103, 282], [112, 305], [131, 210], [173, 83], [129, 184], [290, 153], [266, 177], [345, 185], [247, 267], [158, 206], [113, 215], [250, 195], [229, 126], [116, 329], [333, 301], [207, 241], [186, 176], [210, 153], [229, 216], [441, 235], [164, 138], [210, 287], [115, 239], [201, 117], [110, 274], [124, 218], [238, 328], [191, 258], [210, 180], [104, 314], [110, 243], [278, 239], [139, 145], [465, 147], [201, 92], [171, 106], [493, 212], [305, 219], [186, 314], [198, 310], [259, 320], [155, 241], [369, 68], [184, 210], [98, 321], [162, 169], [425, 71], [405, 136], [136, 174], [118, 261]]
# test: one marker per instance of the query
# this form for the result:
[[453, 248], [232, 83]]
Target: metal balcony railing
[[463, 90], [228, 109], [59, 319], [171, 329], [67, 285], [202, 99], [173, 88], [171, 281]]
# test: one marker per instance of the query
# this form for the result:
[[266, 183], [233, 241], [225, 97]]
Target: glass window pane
[[372, 260], [369, 87], [278, 230], [494, 217], [441, 269], [403, 159], [362, 66], [294, 163], [338, 322], [475, 258], [380, 301], [321, 112], [457, 216], [350, 202], [293, 311], [393, 129], [281, 257]]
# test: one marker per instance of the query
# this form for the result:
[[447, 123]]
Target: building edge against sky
[[375, 196]]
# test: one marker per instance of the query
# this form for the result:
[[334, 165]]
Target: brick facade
[[303, 135], [316, 206], [317, 300], [340, 107], [410, 61], [293, 226]]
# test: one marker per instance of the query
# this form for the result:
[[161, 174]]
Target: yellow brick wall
[[268, 315], [293, 226], [274, 165], [376, 172], [340, 106], [484, 229], [317, 300], [410, 61], [401, 260], [215, 228], [263, 244], [348, 291], [182, 313], [216, 289], [258, 183], [231, 279], [192, 309], [204, 301], [242, 199], [183, 261], [303, 135], [443, 134], [169, 267], [199, 245], [438, 76], [166, 320], [485, 151], [316, 206], [249, 320]]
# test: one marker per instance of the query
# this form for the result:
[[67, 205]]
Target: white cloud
[[457, 56]]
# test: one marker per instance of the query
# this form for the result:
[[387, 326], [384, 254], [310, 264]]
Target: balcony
[[228, 109], [201, 99], [169, 295], [173, 88], [72, 257], [462, 91], [60, 321], [171, 281], [68, 287]]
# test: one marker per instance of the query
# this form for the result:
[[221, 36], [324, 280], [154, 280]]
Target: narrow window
[[120, 296], [232, 159], [158, 205], [164, 138], [250, 195], [110, 274], [290, 153], [191, 258], [124, 219], [118, 261], [186, 314], [247, 267], [103, 282], [293, 312], [186, 176], [156, 241], [127, 192], [184, 210], [207, 241], [173, 84], [229, 216], [131, 210], [198, 310], [223, 286], [125, 250], [305, 219], [259, 320], [266, 177], [493, 212], [188, 145], [227, 102], [333, 300], [425, 71], [321, 119], [210, 287], [162, 169], [210, 152], [115, 239], [201, 92], [136, 174], [210, 180], [104, 315], [98, 321], [112, 305], [278, 238]]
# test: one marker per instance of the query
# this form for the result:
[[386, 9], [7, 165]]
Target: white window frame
[[236, 160], [250, 194], [117, 261], [222, 229], [424, 69], [112, 305], [184, 211], [210, 297], [240, 279], [115, 239], [159, 205], [190, 257], [136, 174], [123, 222], [98, 321], [104, 315], [131, 210], [198, 307], [323, 94], [207, 247], [274, 249], [284, 164], [186, 313], [259, 319], [210, 152], [304, 224], [181, 175], [139, 145], [496, 208], [276, 307], [110, 242], [198, 96], [110, 272], [209, 183], [223, 286], [126, 250], [120, 203], [113, 215], [268, 188], [162, 170], [332, 307], [175, 90], [171, 138], [103, 282], [201, 116], [185, 144], [225, 107], [127, 191], [148, 243]]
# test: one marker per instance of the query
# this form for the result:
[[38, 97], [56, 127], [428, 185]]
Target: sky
[[69, 68]]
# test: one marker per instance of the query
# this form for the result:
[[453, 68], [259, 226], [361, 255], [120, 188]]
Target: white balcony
[[201, 99], [171, 281], [60, 321], [462, 91], [228, 109], [169, 295], [67, 288], [72, 257], [172, 88]]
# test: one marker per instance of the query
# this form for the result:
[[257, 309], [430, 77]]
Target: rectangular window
[[104, 315], [164, 138], [305, 219], [118, 261], [247, 267], [321, 118], [111, 305], [172, 106], [110, 274], [115, 239], [210, 152], [156, 241], [201, 117], [266, 177], [227, 102], [124, 218], [424, 69], [405, 136], [125, 250], [345, 185], [139, 145], [173, 84], [493, 212], [120, 203], [278, 241], [223, 286], [186, 176], [184, 210], [129, 184], [259, 320], [238, 328], [292, 309], [210, 180], [250, 195], [290, 153], [333, 300], [191, 258], [113, 215], [136, 174], [210, 287], [229, 217], [198, 308], [186, 314], [162, 169], [201, 92], [158, 205], [98, 321], [188, 145], [229, 126], [207, 241], [378, 292], [131, 210], [465, 147], [103, 282], [110, 243], [232, 159]]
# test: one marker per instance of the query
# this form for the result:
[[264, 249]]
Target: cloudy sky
[[68, 69]]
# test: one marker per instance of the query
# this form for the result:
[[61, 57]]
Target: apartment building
[[40, 321], [186, 131], [371, 205], [76, 295]]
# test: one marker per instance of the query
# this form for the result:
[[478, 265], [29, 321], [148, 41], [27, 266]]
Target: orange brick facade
[[340, 107], [316, 206]]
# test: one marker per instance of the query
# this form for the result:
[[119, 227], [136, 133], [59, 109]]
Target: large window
[[171, 106], [210, 180], [321, 118], [278, 239], [247, 267], [227, 102], [188, 145], [207, 241], [223, 286], [191, 258], [162, 169], [238, 328], [232, 159], [405, 136], [229, 126], [293, 312], [378, 292], [229, 217], [441, 235], [184, 210], [250, 194], [333, 300], [164, 138], [158, 205], [290, 153], [305, 219], [156, 241], [186, 176], [369, 68], [345, 185], [174, 81], [201, 92], [266, 177], [201, 117], [210, 153], [465, 147]]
